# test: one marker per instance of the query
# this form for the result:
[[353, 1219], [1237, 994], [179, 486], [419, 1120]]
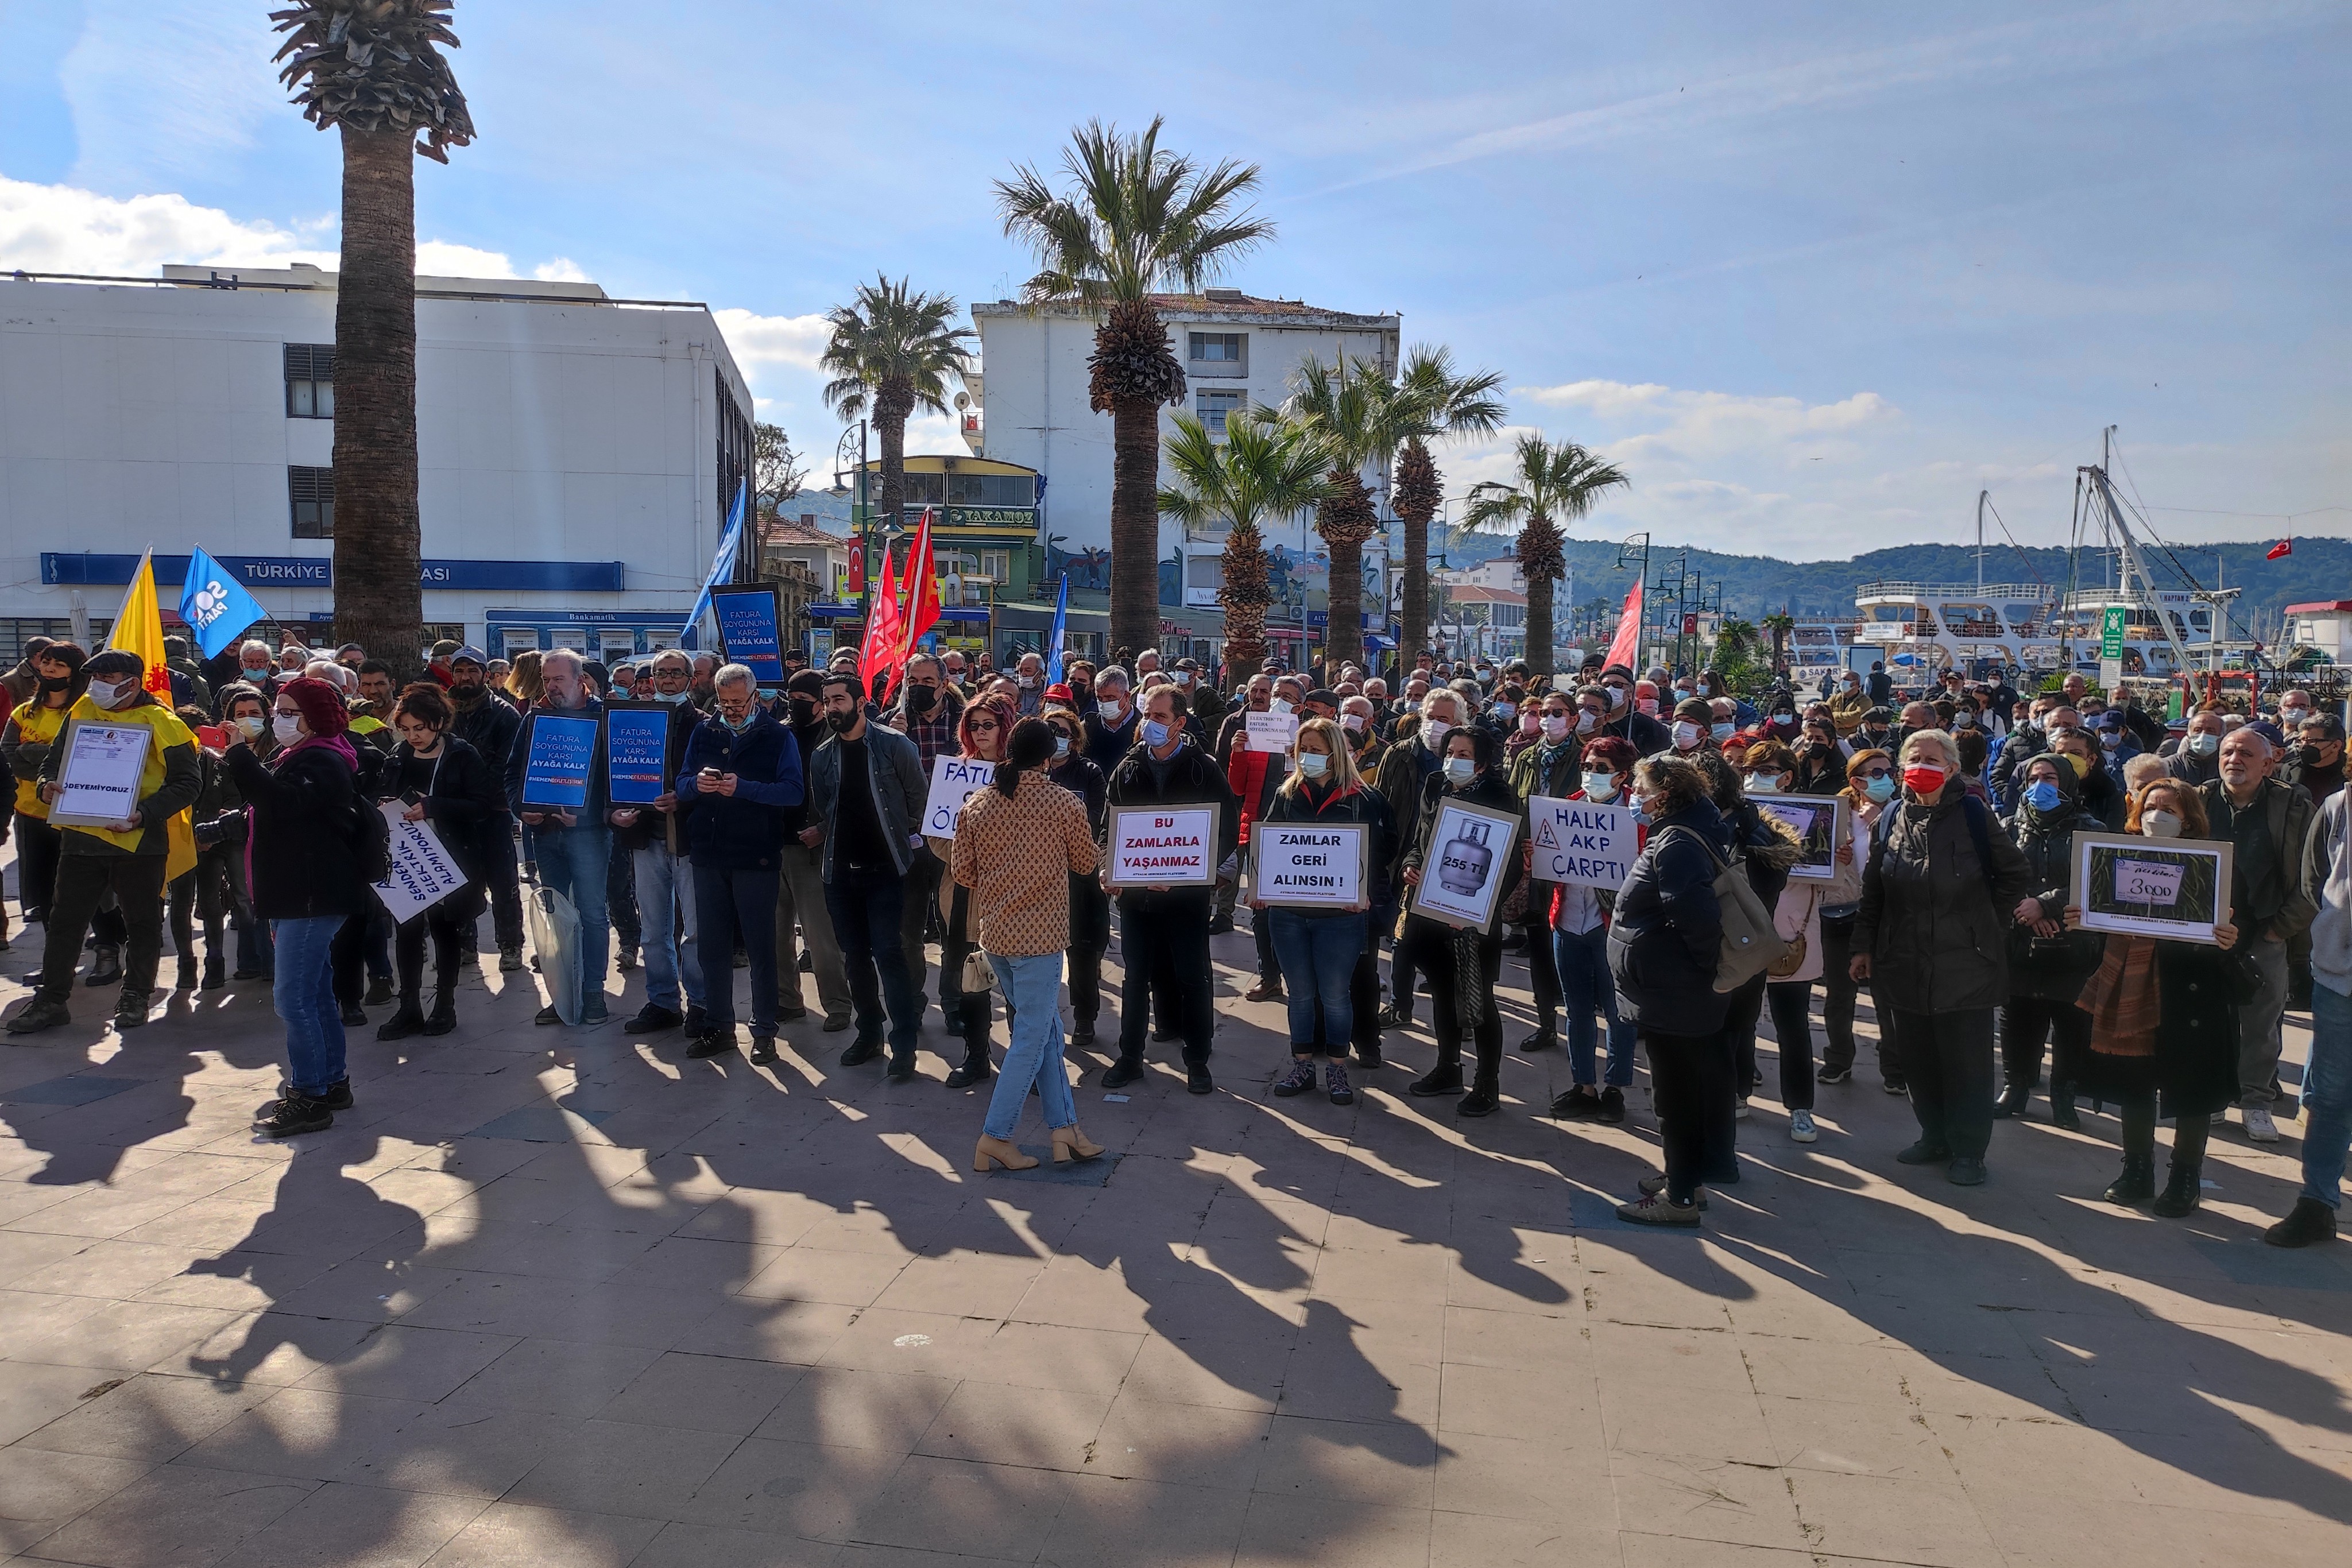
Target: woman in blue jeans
[[1317, 946], [1017, 844], [303, 868], [1579, 933]]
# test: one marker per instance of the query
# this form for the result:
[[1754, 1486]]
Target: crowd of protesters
[[789, 838]]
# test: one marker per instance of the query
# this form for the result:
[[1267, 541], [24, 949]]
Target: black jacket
[[1934, 924], [651, 824], [1490, 790], [1107, 745], [2052, 968], [1193, 779], [464, 802], [489, 726], [1363, 806], [744, 830], [1666, 931], [299, 833]]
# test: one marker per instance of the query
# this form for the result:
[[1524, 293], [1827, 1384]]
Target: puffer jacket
[[2053, 968], [1666, 931], [1936, 935]]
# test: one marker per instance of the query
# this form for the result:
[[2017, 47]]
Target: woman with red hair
[[982, 736]]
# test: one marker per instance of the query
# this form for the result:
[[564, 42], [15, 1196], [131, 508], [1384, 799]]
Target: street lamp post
[[864, 513]]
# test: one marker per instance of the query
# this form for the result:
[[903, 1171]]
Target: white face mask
[[2160, 824], [284, 726], [1685, 734], [1766, 783], [251, 725], [1555, 725], [1587, 721], [1433, 732], [1026, 683], [1601, 786], [1354, 723], [1616, 696], [1460, 769], [105, 694], [1279, 704]]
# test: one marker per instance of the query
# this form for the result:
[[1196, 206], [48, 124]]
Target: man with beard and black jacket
[[801, 919], [1164, 931], [489, 726], [927, 713], [655, 838]]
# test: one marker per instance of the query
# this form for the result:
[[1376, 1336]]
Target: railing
[[1967, 593]]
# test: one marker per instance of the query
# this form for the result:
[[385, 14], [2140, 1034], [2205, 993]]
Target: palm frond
[[376, 66]]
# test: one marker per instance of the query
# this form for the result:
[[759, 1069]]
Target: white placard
[[1470, 848], [1819, 822], [1271, 731], [1306, 866], [99, 782], [1163, 846], [954, 780], [2177, 888], [1581, 841], [423, 874]]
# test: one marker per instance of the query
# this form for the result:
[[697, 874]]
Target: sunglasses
[[980, 723], [1876, 773]]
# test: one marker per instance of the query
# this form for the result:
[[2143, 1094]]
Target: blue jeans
[[665, 887], [1033, 995], [574, 861], [304, 992], [1589, 994], [2328, 1095], [866, 906], [1318, 954]]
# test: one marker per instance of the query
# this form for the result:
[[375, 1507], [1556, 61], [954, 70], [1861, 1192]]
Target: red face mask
[[1924, 780]]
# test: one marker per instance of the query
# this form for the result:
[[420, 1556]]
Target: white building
[[576, 452], [1237, 351]]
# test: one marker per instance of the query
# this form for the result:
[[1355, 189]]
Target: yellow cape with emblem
[[180, 832]]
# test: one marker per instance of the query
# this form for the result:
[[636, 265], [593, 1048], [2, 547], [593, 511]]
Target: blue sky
[[1814, 274]]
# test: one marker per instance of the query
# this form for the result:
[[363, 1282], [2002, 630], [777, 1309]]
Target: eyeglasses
[[1876, 773], [980, 723]]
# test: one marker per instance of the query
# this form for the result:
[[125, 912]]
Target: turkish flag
[[2284, 546]]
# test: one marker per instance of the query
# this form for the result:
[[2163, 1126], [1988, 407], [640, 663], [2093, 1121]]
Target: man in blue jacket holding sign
[[571, 840], [741, 776]]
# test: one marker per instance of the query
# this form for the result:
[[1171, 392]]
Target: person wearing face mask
[[1870, 784], [1253, 780], [2197, 758], [2315, 763], [804, 934], [2116, 746], [1089, 906], [572, 847], [1942, 886], [1850, 703], [133, 859], [1550, 767], [1164, 931], [1321, 949], [490, 726], [865, 798], [988, 723], [1821, 759], [1578, 919], [661, 861], [1781, 720], [1622, 715], [1463, 965], [2101, 795], [1029, 679], [445, 783], [1111, 727], [740, 776], [257, 668], [2163, 1036], [2047, 963], [21, 680], [1359, 724], [31, 734], [1693, 730], [1770, 768], [2271, 825], [931, 716], [1403, 782], [1079, 676]]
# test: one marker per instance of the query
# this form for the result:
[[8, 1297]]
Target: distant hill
[[1757, 585]]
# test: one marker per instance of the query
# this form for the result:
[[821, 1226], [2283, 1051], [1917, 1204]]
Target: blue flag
[[722, 568], [215, 606], [1061, 622]]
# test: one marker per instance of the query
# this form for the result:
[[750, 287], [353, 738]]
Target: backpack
[[370, 841], [1750, 941]]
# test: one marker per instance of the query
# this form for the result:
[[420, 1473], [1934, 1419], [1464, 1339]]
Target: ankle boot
[[444, 1016], [1000, 1152], [187, 981], [2062, 1108], [2182, 1193], [105, 967], [1069, 1144], [215, 971], [2137, 1184], [408, 1019]]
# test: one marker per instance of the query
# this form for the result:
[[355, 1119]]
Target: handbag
[[979, 974], [1792, 959], [1750, 941]]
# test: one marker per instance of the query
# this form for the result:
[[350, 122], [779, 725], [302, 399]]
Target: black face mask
[[919, 699], [803, 712], [1084, 692], [55, 683], [842, 723]]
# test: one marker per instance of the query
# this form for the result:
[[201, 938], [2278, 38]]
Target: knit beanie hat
[[321, 704]]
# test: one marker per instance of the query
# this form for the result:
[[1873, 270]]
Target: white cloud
[[63, 229], [168, 87], [756, 340]]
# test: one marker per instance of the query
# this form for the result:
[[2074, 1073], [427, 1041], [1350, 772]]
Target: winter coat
[[1361, 806], [464, 801], [489, 726], [590, 813], [2327, 886], [1194, 779], [2196, 1063], [1488, 789], [1937, 938], [744, 830], [1666, 931], [2274, 904], [298, 843], [2052, 968]]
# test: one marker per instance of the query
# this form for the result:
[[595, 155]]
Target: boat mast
[[1982, 496]]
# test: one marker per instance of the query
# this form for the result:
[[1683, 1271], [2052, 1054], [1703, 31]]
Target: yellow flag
[[139, 628]]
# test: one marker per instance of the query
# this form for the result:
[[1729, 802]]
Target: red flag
[[918, 595], [1628, 642], [2284, 546], [882, 643]]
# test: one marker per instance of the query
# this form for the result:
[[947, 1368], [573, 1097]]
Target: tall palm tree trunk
[[1538, 656], [1415, 502], [1346, 642], [379, 599], [893, 406], [1135, 524]]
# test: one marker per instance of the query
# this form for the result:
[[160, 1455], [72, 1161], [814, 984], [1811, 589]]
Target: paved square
[[564, 1297]]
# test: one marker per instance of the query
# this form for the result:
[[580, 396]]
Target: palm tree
[[1356, 410], [891, 353], [1265, 469], [1554, 484], [1133, 219], [373, 70], [1445, 404], [1780, 623]]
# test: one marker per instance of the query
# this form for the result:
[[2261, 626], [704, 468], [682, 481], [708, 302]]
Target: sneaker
[[1965, 1171], [711, 1043], [2310, 1221], [355, 1016], [651, 1019], [595, 1013], [2259, 1125], [628, 959], [901, 1069], [339, 1097], [1659, 1211], [763, 1049], [1835, 1075], [1478, 1102], [1656, 1187], [1801, 1129], [1580, 1104], [1393, 1017], [1298, 1081], [294, 1114], [1438, 1080], [1335, 1084], [1895, 1086], [1740, 1111], [1612, 1106], [379, 991], [130, 1010], [1198, 1081], [547, 1015], [1121, 1073], [509, 960]]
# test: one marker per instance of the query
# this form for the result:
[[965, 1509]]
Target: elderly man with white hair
[[572, 846]]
